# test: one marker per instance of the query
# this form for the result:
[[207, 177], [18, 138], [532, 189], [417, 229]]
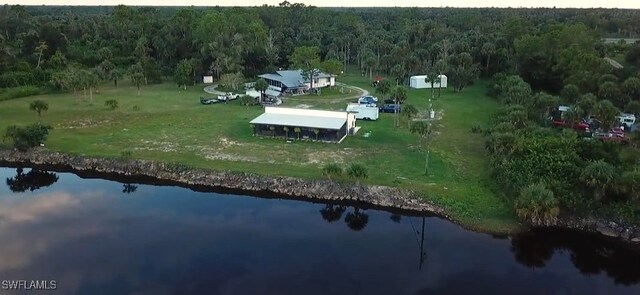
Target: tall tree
[[307, 59], [183, 73], [136, 74]]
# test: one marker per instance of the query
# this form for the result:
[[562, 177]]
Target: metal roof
[[300, 121], [271, 92], [291, 78]]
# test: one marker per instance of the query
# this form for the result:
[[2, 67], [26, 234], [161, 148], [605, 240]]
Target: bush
[[331, 170], [357, 171], [476, 128], [24, 138], [18, 92], [111, 104], [537, 205], [126, 154]]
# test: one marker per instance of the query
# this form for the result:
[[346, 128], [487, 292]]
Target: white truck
[[627, 120], [364, 112]]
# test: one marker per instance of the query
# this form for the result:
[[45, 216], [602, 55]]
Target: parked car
[[611, 137], [389, 108], [367, 100], [204, 100]]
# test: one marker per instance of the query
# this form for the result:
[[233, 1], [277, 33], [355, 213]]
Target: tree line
[[76, 49]]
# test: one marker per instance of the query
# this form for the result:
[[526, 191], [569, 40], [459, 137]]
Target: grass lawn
[[171, 125]]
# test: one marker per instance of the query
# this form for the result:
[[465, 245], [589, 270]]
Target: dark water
[[95, 236]]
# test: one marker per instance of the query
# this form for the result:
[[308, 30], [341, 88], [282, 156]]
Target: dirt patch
[[325, 157], [82, 123], [228, 142], [162, 146], [304, 106], [213, 153]]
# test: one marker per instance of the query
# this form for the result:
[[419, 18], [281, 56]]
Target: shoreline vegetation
[[375, 196]]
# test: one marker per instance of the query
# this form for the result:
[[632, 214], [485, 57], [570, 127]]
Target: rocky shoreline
[[287, 187]]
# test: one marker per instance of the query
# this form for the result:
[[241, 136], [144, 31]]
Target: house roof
[[300, 120], [291, 78]]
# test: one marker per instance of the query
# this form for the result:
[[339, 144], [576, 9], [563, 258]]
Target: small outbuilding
[[420, 82], [293, 123]]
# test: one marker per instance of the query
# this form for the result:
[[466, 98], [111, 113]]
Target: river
[[96, 236]]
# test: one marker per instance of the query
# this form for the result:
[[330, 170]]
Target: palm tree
[[331, 170], [356, 220], [262, 86], [357, 172], [423, 130], [537, 205], [286, 132], [297, 131], [317, 132], [383, 88], [598, 175], [399, 96], [606, 113], [409, 111], [332, 213], [440, 67]]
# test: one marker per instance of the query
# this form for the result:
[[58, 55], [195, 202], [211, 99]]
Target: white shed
[[419, 82]]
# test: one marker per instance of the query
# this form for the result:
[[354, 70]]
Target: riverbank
[[167, 124], [382, 197]]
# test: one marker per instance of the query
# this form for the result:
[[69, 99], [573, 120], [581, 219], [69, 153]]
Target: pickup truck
[[228, 96]]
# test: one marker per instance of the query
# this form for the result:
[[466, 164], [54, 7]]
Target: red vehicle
[[611, 137], [558, 120]]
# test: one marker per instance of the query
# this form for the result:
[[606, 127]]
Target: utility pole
[[422, 253], [426, 161]]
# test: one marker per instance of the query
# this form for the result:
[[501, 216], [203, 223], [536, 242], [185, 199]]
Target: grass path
[[168, 124]]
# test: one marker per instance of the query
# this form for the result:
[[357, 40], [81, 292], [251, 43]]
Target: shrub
[[24, 138], [126, 154], [247, 100], [111, 104], [331, 170], [537, 205], [357, 171], [39, 106], [18, 92], [475, 128]]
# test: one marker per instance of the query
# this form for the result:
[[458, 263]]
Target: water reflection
[[331, 212], [590, 254], [396, 217], [356, 220], [32, 180], [129, 188], [170, 240]]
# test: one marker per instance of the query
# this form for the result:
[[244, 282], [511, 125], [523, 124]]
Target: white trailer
[[363, 112], [420, 82]]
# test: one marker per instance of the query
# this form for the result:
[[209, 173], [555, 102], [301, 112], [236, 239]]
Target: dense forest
[[535, 60]]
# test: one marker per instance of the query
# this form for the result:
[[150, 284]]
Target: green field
[[168, 124]]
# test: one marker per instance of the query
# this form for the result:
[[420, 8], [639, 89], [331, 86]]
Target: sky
[[351, 3]]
